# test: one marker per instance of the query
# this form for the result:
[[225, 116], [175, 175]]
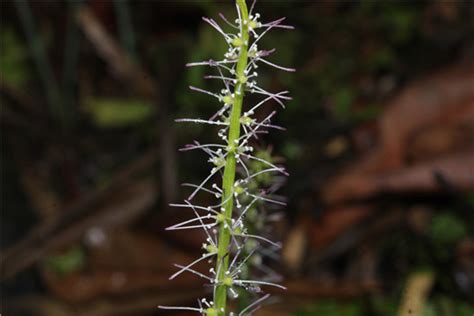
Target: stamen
[[189, 221], [202, 188], [217, 27], [184, 308], [240, 282], [277, 66], [194, 272], [191, 264], [254, 304], [213, 172], [227, 21], [278, 245], [207, 209], [262, 172]]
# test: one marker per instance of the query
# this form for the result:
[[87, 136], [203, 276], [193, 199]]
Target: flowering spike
[[245, 179]]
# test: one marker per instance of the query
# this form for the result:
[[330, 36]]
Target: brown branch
[[46, 236], [138, 198], [122, 67]]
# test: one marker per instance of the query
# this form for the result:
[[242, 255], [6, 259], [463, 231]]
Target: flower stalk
[[220, 295]]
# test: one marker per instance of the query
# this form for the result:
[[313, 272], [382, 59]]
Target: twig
[[112, 54], [80, 210], [416, 292], [139, 197]]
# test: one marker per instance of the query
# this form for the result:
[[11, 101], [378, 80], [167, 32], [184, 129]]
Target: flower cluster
[[235, 241]]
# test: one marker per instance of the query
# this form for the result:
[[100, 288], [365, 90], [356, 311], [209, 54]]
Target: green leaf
[[72, 260], [109, 113], [13, 55], [342, 103], [447, 228]]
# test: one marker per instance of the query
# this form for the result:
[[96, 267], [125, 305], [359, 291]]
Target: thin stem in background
[[44, 68], [125, 28], [71, 57]]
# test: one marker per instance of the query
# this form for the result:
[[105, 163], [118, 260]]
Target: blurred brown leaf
[[430, 123]]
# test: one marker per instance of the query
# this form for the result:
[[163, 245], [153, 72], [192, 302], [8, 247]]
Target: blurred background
[[379, 147]]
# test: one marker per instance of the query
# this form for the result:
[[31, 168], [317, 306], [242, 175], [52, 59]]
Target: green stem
[[220, 292]]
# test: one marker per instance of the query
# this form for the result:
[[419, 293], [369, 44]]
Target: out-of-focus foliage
[[332, 308], [383, 305], [446, 306], [108, 113], [439, 306], [13, 56], [446, 229], [71, 260]]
